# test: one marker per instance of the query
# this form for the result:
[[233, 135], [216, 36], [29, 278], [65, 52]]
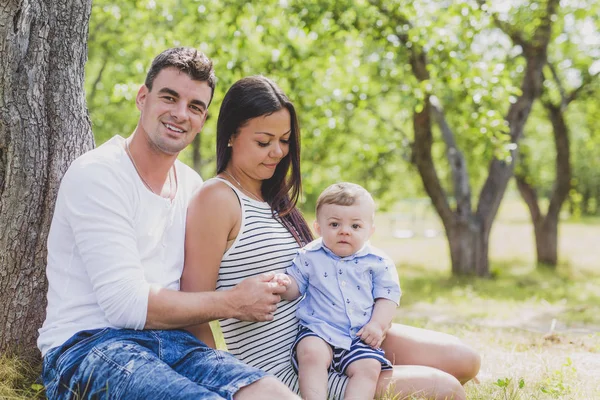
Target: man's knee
[[266, 388]]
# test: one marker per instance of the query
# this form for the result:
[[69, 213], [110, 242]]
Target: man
[[115, 255]]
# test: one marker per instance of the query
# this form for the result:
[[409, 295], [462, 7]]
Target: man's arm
[[100, 210], [213, 219], [252, 300], [99, 206]]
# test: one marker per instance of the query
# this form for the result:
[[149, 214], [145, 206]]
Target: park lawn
[[538, 331]]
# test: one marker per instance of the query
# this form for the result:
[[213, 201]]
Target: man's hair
[[343, 194], [188, 60]]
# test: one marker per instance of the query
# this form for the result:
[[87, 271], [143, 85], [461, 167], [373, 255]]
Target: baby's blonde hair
[[343, 194]]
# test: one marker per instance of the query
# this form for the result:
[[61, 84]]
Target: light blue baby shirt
[[341, 291]]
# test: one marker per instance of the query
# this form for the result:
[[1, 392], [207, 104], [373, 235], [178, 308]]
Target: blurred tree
[[362, 74], [407, 32], [584, 198], [570, 76], [245, 38], [546, 226], [43, 127]]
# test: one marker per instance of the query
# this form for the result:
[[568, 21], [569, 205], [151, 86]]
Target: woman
[[245, 222]]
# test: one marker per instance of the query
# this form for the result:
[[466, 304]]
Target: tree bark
[[196, 156], [467, 231], [43, 126], [546, 226]]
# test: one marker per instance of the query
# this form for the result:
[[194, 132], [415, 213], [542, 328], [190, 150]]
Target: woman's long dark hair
[[253, 97]]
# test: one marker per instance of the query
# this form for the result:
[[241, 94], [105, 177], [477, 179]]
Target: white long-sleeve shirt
[[110, 240]]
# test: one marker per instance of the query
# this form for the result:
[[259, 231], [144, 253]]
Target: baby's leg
[[314, 358], [363, 375]]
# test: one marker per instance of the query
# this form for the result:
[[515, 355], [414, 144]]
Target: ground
[[538, 331]]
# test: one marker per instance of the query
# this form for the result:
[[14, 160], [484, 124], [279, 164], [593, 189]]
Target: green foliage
[[557, 383], [585, 196], [510, 389], [345, 66]]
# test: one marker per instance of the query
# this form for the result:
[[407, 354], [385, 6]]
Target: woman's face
[[261, 144]]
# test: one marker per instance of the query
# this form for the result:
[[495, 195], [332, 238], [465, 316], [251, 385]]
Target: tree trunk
[[546, 226], [43, 126], [546, 242], [467, 231], [196, 156], [468, 248], [467, 240]]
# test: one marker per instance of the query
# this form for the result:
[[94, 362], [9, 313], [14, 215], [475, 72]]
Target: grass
[[18, 380], [538, 331]]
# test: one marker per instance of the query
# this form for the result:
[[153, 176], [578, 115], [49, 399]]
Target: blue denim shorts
[[146, 364], [342, 358]]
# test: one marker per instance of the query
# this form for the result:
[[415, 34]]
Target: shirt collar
[[318, 244]]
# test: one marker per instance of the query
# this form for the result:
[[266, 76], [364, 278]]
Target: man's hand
[[372, 334], [256, 298]]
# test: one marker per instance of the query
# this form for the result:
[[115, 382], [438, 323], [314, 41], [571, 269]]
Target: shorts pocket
[[76, 344]]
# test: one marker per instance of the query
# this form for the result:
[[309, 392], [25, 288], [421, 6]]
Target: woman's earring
[[229, 144]]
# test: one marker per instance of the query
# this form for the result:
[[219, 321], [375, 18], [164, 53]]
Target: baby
[[351, 292]]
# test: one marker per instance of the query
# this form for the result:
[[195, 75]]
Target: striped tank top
[[263, 244]]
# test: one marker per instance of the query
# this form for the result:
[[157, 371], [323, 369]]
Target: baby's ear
[[372, 229], [317, 227]]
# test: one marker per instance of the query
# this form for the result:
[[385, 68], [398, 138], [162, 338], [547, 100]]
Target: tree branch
[[567, 98], [505, 27], [98, 79], [403, 134], [561, 89], [423, 135], [529, 195], [456, 159]]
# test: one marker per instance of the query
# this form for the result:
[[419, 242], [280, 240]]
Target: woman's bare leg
[[417, 381], [314, 358], [406, 345]]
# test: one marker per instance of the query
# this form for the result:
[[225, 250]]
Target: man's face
[[174, 111], [345, 229]]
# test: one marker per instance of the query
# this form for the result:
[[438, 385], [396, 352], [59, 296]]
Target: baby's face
[[345, 229]]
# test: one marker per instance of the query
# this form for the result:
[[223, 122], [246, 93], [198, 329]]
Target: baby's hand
[[372, 334], [282, 279]]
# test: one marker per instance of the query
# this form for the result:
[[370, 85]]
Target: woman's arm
[[213, 218]]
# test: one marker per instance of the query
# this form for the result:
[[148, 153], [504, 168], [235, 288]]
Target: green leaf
[[37, 387]]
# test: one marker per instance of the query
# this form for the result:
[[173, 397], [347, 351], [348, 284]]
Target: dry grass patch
[[17, 380]]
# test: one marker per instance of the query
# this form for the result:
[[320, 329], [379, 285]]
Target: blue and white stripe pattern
[[342, 358], [263, 244]]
